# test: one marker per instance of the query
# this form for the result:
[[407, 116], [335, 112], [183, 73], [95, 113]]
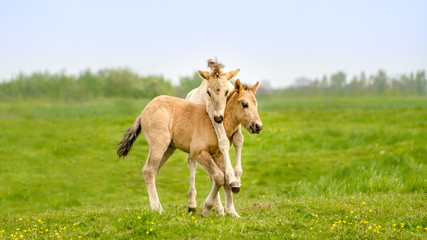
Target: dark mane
[[216, 68], [244, 86]]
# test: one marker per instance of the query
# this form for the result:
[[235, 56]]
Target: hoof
[[190, 209], [235, 187]]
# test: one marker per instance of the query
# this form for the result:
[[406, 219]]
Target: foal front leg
[[216, 175], [229, 205], [224, 147], [192, 193], [192, 165], [238, 144]]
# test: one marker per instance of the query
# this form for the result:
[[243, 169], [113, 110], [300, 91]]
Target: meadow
[[322, 168]]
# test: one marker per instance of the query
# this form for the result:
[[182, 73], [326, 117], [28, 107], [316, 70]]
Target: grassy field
[[323, 168]]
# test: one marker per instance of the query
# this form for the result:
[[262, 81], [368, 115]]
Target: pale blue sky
[[269, 40]]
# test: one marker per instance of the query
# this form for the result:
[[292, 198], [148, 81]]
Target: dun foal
[[169, 123]]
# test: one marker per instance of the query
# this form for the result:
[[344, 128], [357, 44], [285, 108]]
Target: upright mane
[[216, 68]]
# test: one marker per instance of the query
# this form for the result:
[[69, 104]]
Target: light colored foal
[[202, 95]]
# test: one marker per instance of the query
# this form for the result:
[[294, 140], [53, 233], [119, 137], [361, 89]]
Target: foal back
[[171, 121]]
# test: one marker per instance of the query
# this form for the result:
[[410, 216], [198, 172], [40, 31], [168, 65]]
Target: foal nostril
[[218, 119], [258, 128]]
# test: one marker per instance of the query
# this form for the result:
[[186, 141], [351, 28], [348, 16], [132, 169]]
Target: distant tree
[[338, 81], [265, 87], [186, 84], [379, 82]]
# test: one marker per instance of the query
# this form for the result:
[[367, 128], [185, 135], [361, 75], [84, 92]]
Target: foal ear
[[254, 88], [204, 74], [232, 73], [238, 86]]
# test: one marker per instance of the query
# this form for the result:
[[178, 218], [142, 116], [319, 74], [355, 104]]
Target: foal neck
[[230, 120]]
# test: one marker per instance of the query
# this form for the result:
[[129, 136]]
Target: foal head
[[244, 105], [217, 89]]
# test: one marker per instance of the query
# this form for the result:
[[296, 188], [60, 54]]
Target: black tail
[[130, 136]]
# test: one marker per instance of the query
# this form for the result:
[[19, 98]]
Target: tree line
[[119, 82], [375, 84], [123, 82]]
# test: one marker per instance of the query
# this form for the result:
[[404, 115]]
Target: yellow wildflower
[[139, 217], [363, 203], [151, 229]]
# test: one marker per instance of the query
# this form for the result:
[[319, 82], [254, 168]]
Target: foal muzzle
[[218, 119]]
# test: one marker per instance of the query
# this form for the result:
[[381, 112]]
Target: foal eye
[[245, 105], [226, 93], [209, 93]]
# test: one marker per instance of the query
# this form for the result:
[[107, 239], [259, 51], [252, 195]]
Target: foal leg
[[192, 165], [229, 205], [224, 147], [217, 176], [150, 170], [192, 205], [238, 144]]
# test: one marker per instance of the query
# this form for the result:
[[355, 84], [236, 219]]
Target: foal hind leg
[[150, 170]]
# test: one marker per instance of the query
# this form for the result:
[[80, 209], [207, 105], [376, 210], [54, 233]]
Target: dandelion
[[151, 229], [344, 221], [317, 216], [147, 232], [20, 219], [370, 210], [192, 217], [152, 223], [369, 227], [80, 236], [394, 229], [211, 221], [418, 226], [311, 228], [195, 221], [139, 217], [18, 229], [363, 203], [21, 236], [351, 212]]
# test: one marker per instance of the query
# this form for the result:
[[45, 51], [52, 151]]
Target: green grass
[[317, 163]]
